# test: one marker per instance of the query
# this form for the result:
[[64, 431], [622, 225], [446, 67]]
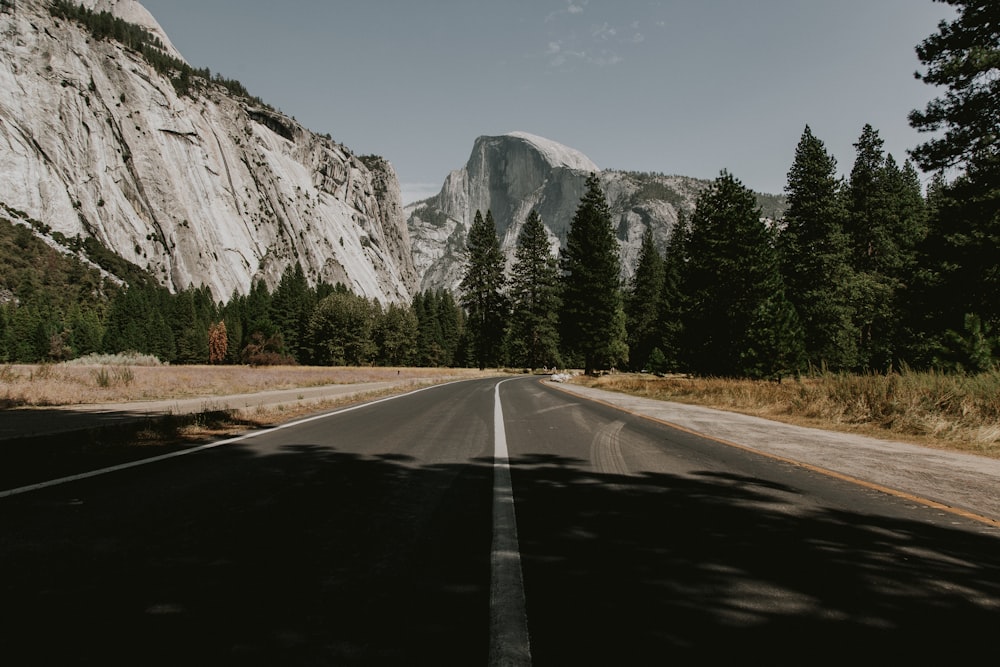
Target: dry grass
[[76, 384], [945, 411]]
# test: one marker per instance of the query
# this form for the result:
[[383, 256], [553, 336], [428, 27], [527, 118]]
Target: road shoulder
[[957, 480]]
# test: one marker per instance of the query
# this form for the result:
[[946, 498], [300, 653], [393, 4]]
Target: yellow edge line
[[933, 504]]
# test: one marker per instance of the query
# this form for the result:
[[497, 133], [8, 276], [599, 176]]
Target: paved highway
[[485, 521]]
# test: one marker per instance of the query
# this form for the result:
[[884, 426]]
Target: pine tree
[[592, 317], [86, 331], [815, 257], [451, 325], [958, 286], [963, 56], [190, 329], [257, 312], [483, 290], [430, 350], [534, 297], [157, 330], [643, 303], [291, 306], [670, 314], [885, 225], [737, 320], [233, 315]]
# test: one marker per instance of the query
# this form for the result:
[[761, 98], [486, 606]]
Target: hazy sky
[[676, 86]]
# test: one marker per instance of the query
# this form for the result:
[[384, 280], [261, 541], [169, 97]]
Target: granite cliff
[[514, 173], [194, 183]]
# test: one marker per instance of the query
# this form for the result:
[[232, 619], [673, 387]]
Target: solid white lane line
[[194, 450], [509, 643]]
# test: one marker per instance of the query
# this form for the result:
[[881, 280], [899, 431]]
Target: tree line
[[294, 323], [863, 273], [848, 280]]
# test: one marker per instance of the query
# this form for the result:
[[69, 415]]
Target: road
[[383, 534]]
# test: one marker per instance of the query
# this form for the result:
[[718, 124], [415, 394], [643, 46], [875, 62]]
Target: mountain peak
[[557, 154], [132, 11]]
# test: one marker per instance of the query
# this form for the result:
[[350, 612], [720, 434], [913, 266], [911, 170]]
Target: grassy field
[[120, 381], [956, 412]]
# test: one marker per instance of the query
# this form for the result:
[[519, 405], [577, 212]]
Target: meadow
[[120, 379]]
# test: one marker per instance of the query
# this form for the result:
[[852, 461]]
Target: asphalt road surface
[[486, 522]]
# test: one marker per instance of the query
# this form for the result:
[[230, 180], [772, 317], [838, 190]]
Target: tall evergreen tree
[[886, 222], [737, 320], [643, 303], [291, 307], [815, 257], [86, 331], [964, 57], [592, 317], [670, 314], [958, 289], [232, 315], [430, 348], [867, 201], [190, 329], [534, 297], [451, 325], [483, 290]]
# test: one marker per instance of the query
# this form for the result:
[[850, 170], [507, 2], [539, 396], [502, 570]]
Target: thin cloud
[[572, 7], [601, 45], [604, 32]]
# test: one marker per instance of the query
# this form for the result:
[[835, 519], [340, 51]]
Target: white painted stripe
[[194, 450], [509, 643]]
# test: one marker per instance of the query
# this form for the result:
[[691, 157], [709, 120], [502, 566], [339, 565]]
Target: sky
[[687, 87]]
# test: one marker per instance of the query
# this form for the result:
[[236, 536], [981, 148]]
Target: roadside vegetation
[[119, 379], [942, 410]]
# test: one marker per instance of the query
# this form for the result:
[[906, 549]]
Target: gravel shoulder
[[965, 482]]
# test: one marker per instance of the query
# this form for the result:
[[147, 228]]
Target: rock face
[[203, 188], [515, 173]]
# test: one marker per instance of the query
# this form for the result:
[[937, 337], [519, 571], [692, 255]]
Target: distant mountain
[[513, 174], [106, 133]]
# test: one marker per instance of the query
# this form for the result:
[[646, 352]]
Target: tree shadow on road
[[715, 566], [309, 555]]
